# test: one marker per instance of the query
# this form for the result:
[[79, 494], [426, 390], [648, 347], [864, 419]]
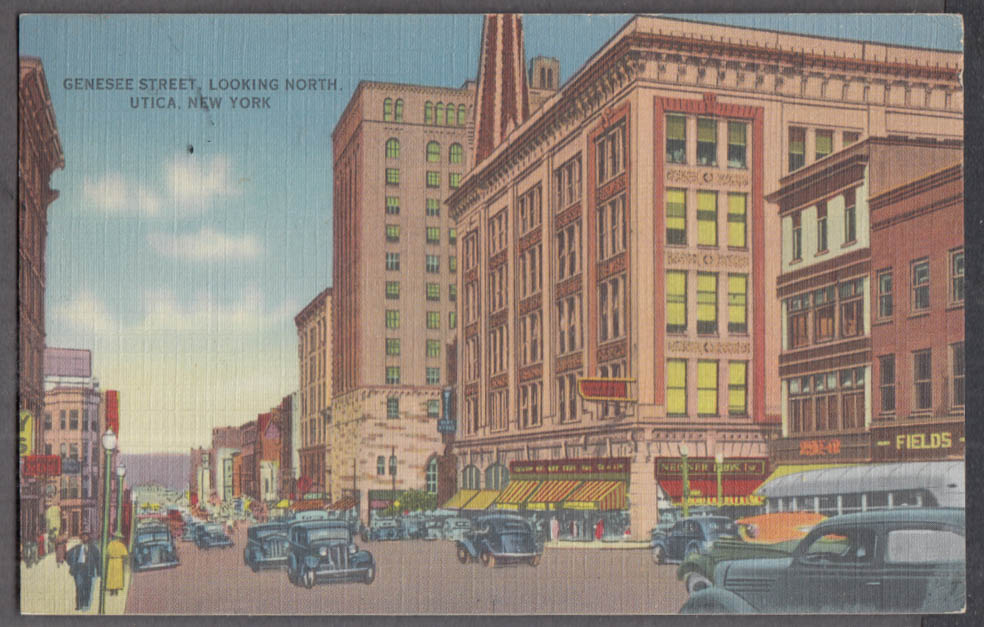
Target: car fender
[[362, 558], [687, 567], [469, 546], [716, 601], [661, 542]]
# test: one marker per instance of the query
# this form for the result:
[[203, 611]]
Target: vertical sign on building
[[26, 432], [113, 411]]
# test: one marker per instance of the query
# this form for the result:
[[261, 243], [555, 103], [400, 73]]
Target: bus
[[864, 487]]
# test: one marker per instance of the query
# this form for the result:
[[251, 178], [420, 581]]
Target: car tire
[[307, 578], [697, 582], [370, 575], [690, 552], [535, 561], [291, 577], [488, 560], [463, 555], [659, 554]]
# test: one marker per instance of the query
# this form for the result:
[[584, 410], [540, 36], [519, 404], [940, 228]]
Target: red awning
[[708, 487], [346, 502]]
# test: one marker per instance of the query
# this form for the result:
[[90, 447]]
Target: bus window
[[907, 498], [851, 503], [828, 505], [877, 500]]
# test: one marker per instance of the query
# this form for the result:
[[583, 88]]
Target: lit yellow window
[[737, 388], [737, 303], [707, 391], [676, 302], [737, 219], [676, 217], [706, 303], [707, 211], [676, 387]]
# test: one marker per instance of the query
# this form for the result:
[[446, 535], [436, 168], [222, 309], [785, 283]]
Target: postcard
[[491, 314]]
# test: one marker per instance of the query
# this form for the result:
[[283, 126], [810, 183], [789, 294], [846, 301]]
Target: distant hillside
[[167, 469]]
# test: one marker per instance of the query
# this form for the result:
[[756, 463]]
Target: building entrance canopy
[[580, 484]]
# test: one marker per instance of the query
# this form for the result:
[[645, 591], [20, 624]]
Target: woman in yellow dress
[[115, 553]]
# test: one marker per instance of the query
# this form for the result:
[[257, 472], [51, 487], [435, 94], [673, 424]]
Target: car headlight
[[353, 549], [323, 551]]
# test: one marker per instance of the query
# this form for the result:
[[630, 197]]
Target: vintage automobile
[[324, 551], [153, 548], [190, 531], [211, 535], [689, 536], [670, 515], [456, 528], [765, 535], [413, 526], [498, 539], [266, 546], [904, 560], [381, 528], [433, 529]]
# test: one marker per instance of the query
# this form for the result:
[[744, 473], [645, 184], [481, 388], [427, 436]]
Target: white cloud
[[196, 180], [85, 315], [114, 195], [205, 245], [163, 313]]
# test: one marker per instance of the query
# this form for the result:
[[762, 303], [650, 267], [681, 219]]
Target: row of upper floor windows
[[432, 152], [440, 114]]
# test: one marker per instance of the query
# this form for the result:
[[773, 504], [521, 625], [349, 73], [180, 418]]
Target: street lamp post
[[109, 443], [686, 480], [719, 468], [120, 473], [392, 461]]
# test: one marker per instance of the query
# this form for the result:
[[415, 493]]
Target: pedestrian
[[115, 562], [61, 546], [83, 565], [554, 528], [599, 530]]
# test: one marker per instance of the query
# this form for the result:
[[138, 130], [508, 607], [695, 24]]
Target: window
[[433, 235], [392, 176], [886, 368], [392, 232], [569, 250], [462, 115], [433, 291], [852, 398], [567, 183], [611, 228], [430, 478], [392, 375], [393, 346], [392, 261], [452, 319], [392, 319], [922, 373], [469, 478], [737, 388], [957, 366], [567, 397], [454, 180], [433, 405], [398, 111], [432, 263], [927, 547], [433, 376], [707, 218], [452, 264], [392, 289], [885, 304], [676, 139], [73, 419], [528, 400], [797, 310], [428, 112], [47, 420], [737, 219], [920, 285], [797, 243], [850, 137], [706, 141], [388, 110], [433, 178], [456, 154], [822, 227], [63, 450], [797, 147], [439, 118], [433, 152], [433, 319], [707, 388], [499, 410], [737, 303], [676, 387], [392, 205], [393, 148], [496, 477], [452, 292], [611, 304], [433, 348], [823, 313], [530, 211], [676, 217], [611, 153], [497, 233], [851, 309], [850, 217], [706, 303], [453, 235], [569, 324], [433, 208], [957, 276], [676, 301], [736, 144], [824, 144]]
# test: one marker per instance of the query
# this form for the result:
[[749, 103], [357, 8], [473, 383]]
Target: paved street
[[415, 577]]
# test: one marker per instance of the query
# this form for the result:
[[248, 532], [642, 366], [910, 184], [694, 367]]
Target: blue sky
[[184, 241]]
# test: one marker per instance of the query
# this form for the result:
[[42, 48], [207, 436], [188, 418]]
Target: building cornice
[[891, 196]]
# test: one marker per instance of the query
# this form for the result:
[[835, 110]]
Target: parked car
[[381, 528], [324, 551], [904, 560], [498, 539], [153, 548], [669, 516], [210, 535], [456, 528], [266, 546], [413, 526], [689, 536], [190, 531], [433, 529]]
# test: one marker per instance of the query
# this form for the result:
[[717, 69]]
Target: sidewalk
[[597, 544], [47, 588]]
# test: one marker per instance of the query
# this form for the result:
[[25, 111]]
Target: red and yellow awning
[[597, 495], [481, 500], [515, 494], [549, 493]]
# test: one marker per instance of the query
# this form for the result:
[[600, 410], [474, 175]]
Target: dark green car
[[902, 560], [697, 571]]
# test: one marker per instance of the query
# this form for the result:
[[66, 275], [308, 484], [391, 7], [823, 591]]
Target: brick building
[[621, 232], [314, 354]]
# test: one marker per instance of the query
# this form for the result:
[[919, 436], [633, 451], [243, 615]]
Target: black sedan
[[153, 548], [499, 539], [266, 546], [211, 535], [323, 551]]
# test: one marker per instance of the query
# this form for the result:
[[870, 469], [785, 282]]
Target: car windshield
[[267, 532], [213, 528], [328, 533], [722, 528], [161, 536]]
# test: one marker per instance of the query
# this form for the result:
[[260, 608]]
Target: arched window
[[398, 113], [461, 115], [441, 119], [469, 478], [392, 148], [456, 153], [433, 152], [428, 112], [431, 476], [550, 78], [388, 109], [496, 477]]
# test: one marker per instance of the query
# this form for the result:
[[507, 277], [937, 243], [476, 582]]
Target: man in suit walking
[[83, 565]]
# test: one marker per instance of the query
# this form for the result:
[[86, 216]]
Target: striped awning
[[459, 499], [482, 500], [549, 493], [346, 502], [598, 495], [515, 494]]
